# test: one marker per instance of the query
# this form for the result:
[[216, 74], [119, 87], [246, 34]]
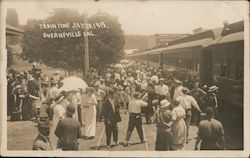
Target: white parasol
[[73, 83]]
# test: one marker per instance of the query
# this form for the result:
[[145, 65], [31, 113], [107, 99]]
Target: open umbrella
[[73, 83]]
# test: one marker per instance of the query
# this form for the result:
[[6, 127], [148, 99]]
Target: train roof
[[198, 36], [238, 36], [231, 33], [233, 28]]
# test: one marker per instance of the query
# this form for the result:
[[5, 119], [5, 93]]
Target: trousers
[[111, 128], [135, 121]]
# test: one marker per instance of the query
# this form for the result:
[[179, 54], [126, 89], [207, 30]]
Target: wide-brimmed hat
[[56, 72], [30, 78], [18, 87], [59, 98], [44, 124], [164, 103], [178, 82], [161, 79], [119, 88], [212, 88], [70, 109]]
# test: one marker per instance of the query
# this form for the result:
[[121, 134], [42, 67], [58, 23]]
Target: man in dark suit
[[111, 117], [68, 131]]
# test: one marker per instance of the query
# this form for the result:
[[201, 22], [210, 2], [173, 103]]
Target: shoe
[[143, 141], [108, 147], [116, 143], [126, 143], [92, 137]]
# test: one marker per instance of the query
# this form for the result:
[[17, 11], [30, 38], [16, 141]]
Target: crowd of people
[[131, 88]]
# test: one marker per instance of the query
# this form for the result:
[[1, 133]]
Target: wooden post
[[86, 47]]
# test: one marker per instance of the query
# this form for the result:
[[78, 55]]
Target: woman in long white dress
[[179, 128], [90, 118], [59, 110]]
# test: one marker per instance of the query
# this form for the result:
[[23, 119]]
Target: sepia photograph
[[159, 78]]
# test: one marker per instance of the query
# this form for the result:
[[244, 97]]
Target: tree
[[105, 47]]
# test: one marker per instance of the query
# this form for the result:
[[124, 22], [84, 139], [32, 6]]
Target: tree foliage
[[68, 53]]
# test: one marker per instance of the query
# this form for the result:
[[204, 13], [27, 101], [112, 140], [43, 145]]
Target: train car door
[[206, 66]]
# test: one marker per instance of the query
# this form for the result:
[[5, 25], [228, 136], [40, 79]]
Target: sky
[[144, 17]]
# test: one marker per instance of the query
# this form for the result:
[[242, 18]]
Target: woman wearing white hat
[[163, 118]]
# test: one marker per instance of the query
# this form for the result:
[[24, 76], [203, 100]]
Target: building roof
[[13, 31]]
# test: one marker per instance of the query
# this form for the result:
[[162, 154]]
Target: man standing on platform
[[42, 140], [210, 132], [162, 90], [135, 120], [68, 130], [111, 117]]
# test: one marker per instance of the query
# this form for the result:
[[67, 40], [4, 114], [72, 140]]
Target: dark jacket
[[111, 116], [68, 131]]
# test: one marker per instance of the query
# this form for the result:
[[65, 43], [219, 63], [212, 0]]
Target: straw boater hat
[[119, 88], [164, 103], [212, 88]]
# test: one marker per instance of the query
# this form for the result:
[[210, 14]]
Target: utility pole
[[86, 47]]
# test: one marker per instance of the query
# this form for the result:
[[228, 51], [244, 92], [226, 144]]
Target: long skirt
[[163, 140], [90, 121], [179, 130]]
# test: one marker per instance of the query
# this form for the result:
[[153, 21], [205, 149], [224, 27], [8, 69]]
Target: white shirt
[[52, 93], [162, 89], [177, 92], [187, 102], [117, 76], [112, 103], [135, 105]]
